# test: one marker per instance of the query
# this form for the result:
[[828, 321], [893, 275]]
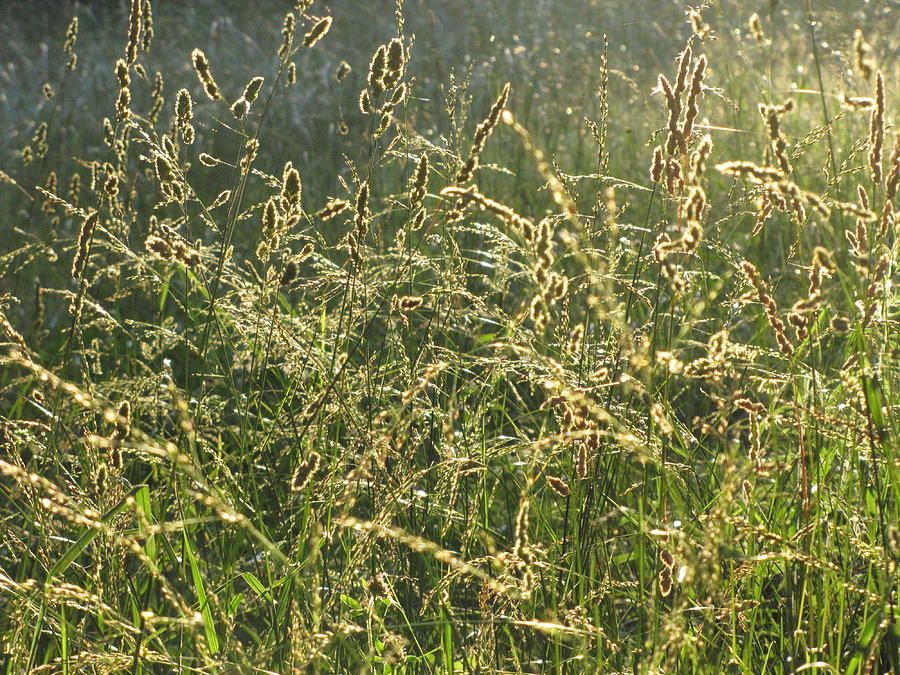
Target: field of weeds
[[449, 337]]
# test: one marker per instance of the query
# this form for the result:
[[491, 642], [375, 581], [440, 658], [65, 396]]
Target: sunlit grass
[[520, 338]]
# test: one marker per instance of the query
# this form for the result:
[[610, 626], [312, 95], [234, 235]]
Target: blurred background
[[551, 51]]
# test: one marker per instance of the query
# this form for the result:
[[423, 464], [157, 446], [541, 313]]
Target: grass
[[460, 383]]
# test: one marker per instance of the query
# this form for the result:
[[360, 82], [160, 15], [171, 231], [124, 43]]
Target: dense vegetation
[[498, 337]]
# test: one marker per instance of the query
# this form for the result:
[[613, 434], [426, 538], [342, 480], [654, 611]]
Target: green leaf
[[205, 611], [75, 550], [874, 402], [256, 585], [142, 500]]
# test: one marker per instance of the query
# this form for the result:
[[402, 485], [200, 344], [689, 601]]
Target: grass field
[[436, 337]]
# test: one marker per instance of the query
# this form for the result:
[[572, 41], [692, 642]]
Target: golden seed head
[[111, 184], [204, 74], [558, 485], [123, 424], [148, 33], [575, 339], [657, 165], [343, 70], [377, 70], [251, 91], [184, 107], [409, 302], [71, 37], [270, 217], [419, 183], [378, 585], [291, 189], [857, 102], [333, 208], [756, 29], [684, 64], [862, 51], [876, 130], [240, 108], [362, 202], [317, 32], [305, 471], [122, 74], [290, 273], [693, 109], [287, 34], [134, 31], [398, 95], [365, 102], [163, 169], [85, 235], [101, 477], [158, 247], [700, 29], [40, 134]]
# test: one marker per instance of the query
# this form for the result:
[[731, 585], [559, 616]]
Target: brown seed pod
[[558, 485], [305, 471], [409, 302]]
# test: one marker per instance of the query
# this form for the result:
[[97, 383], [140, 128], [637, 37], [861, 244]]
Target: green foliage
[[591, 373]]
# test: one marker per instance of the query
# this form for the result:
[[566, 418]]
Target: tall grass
[[549, 352]]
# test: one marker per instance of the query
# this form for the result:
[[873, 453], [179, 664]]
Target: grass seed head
[[342, 71], [559, 486], [317, 32], [291, 190], [305, 471], [85, 234], [287, 34], [756, 29], [69, 44], [862, 52], [876, 131], [204, 74], [657, 165], [377, 71], [290, 273], [134, 31]]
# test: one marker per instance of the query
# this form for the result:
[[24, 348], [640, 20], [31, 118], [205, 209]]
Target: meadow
[[449, 337]]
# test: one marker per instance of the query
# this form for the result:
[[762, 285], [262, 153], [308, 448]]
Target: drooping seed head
[[251, 91], [317, 32]]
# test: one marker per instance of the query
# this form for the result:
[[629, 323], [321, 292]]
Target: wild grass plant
[[542, 352]]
